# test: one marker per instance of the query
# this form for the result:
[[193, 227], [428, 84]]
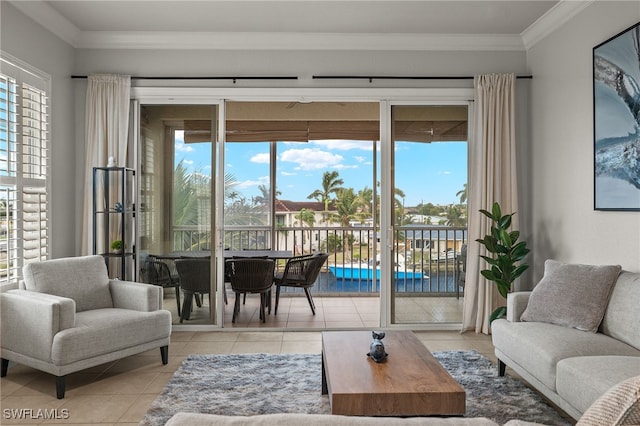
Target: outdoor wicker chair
[[300, 272], [251, 275], [195, 279], [157, 272]]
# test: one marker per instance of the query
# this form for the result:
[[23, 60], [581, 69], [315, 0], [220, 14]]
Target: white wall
[[302, 64], [26, 40], [564, 223]]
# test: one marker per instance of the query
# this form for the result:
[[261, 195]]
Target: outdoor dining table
[[228, 254]]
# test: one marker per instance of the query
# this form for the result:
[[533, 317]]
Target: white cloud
[[288, 174], [311, 158], [262, 180], [360, 159], [188, 162], [181, 147], [344, 166], [262, 158], [445, 172]]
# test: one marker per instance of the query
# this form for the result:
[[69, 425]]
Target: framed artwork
[[616, 121]]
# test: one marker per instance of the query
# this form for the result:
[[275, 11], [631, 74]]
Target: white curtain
[[492, 177], [106, 130]]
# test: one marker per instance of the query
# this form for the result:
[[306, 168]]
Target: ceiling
[[301, 24]]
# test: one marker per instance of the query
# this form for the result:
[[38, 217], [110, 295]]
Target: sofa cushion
[[619, 406], [102, 331], [83, 279], [582, 380], [537, 347], [572, 295], [622, 316], [294, 419]]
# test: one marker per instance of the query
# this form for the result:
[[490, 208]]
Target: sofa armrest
[[135, 296], [30, 320], [516, 304]]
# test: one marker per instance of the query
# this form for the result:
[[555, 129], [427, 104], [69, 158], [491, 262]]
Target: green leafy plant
[[506, 252], [117, 245]]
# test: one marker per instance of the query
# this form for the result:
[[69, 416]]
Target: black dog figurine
[[376, 350]]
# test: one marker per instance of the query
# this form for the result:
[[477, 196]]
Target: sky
[[425, 172]]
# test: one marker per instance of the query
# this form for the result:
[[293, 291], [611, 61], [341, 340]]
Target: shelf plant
[[506, 254], [117, 246]]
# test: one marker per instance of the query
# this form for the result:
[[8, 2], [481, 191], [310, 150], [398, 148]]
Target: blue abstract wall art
[[616, 103]]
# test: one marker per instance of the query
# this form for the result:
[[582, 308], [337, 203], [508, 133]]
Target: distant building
[[286, 212], [286, 217]]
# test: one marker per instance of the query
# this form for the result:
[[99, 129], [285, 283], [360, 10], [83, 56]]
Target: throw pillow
[[572, 295], [619, 406]]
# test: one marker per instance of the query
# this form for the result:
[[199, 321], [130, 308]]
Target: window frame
[[31, 181]]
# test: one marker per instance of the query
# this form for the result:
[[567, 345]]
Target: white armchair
[[69, 316]]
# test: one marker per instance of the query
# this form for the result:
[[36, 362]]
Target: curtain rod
[[392, 77], [201, 78]]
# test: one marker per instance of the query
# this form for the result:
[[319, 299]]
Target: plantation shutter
[[24, 169]]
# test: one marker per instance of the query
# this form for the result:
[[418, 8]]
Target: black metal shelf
[[115, 188]]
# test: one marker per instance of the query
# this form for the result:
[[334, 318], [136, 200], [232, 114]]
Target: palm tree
[[265, 196], [184, 197], [455, 216], [346, 206], [306, 217], [365, 200], [462, 194], [191, 204], [330, 185]]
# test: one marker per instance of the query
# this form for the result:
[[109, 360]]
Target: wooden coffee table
[[411, 382]]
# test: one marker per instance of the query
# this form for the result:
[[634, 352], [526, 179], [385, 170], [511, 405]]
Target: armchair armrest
[[30, 320], [135, 296], [516, 304]]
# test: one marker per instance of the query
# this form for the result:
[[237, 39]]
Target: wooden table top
[[411, 382], [271, 254]]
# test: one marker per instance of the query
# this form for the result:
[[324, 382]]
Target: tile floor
[[331, 312], [119, 393]]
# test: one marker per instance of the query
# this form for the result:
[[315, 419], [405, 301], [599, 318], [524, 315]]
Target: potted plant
[[506, 252], [117, 246]]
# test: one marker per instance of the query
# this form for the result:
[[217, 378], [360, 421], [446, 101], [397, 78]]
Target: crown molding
[[53, 21], [296, 41], [49, 18], [553, 19]]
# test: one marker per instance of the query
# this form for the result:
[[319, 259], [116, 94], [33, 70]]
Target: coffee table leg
[[325, 390]]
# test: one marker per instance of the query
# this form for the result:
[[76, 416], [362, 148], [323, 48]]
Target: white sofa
[[291, 419], [70, 316], [570, 366]]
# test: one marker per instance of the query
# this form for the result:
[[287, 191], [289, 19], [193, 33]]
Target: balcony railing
[[424, 256]]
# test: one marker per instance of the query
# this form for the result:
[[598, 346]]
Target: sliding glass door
[[379, 185], [177, 177], [427, 208]]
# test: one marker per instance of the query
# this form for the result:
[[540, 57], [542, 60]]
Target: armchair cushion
[[84, 279], [572, 295], [103, 331]]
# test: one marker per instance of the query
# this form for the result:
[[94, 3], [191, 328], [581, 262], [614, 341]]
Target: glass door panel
[[429, 175], [301, 177], [247, 196], [177, 173]]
